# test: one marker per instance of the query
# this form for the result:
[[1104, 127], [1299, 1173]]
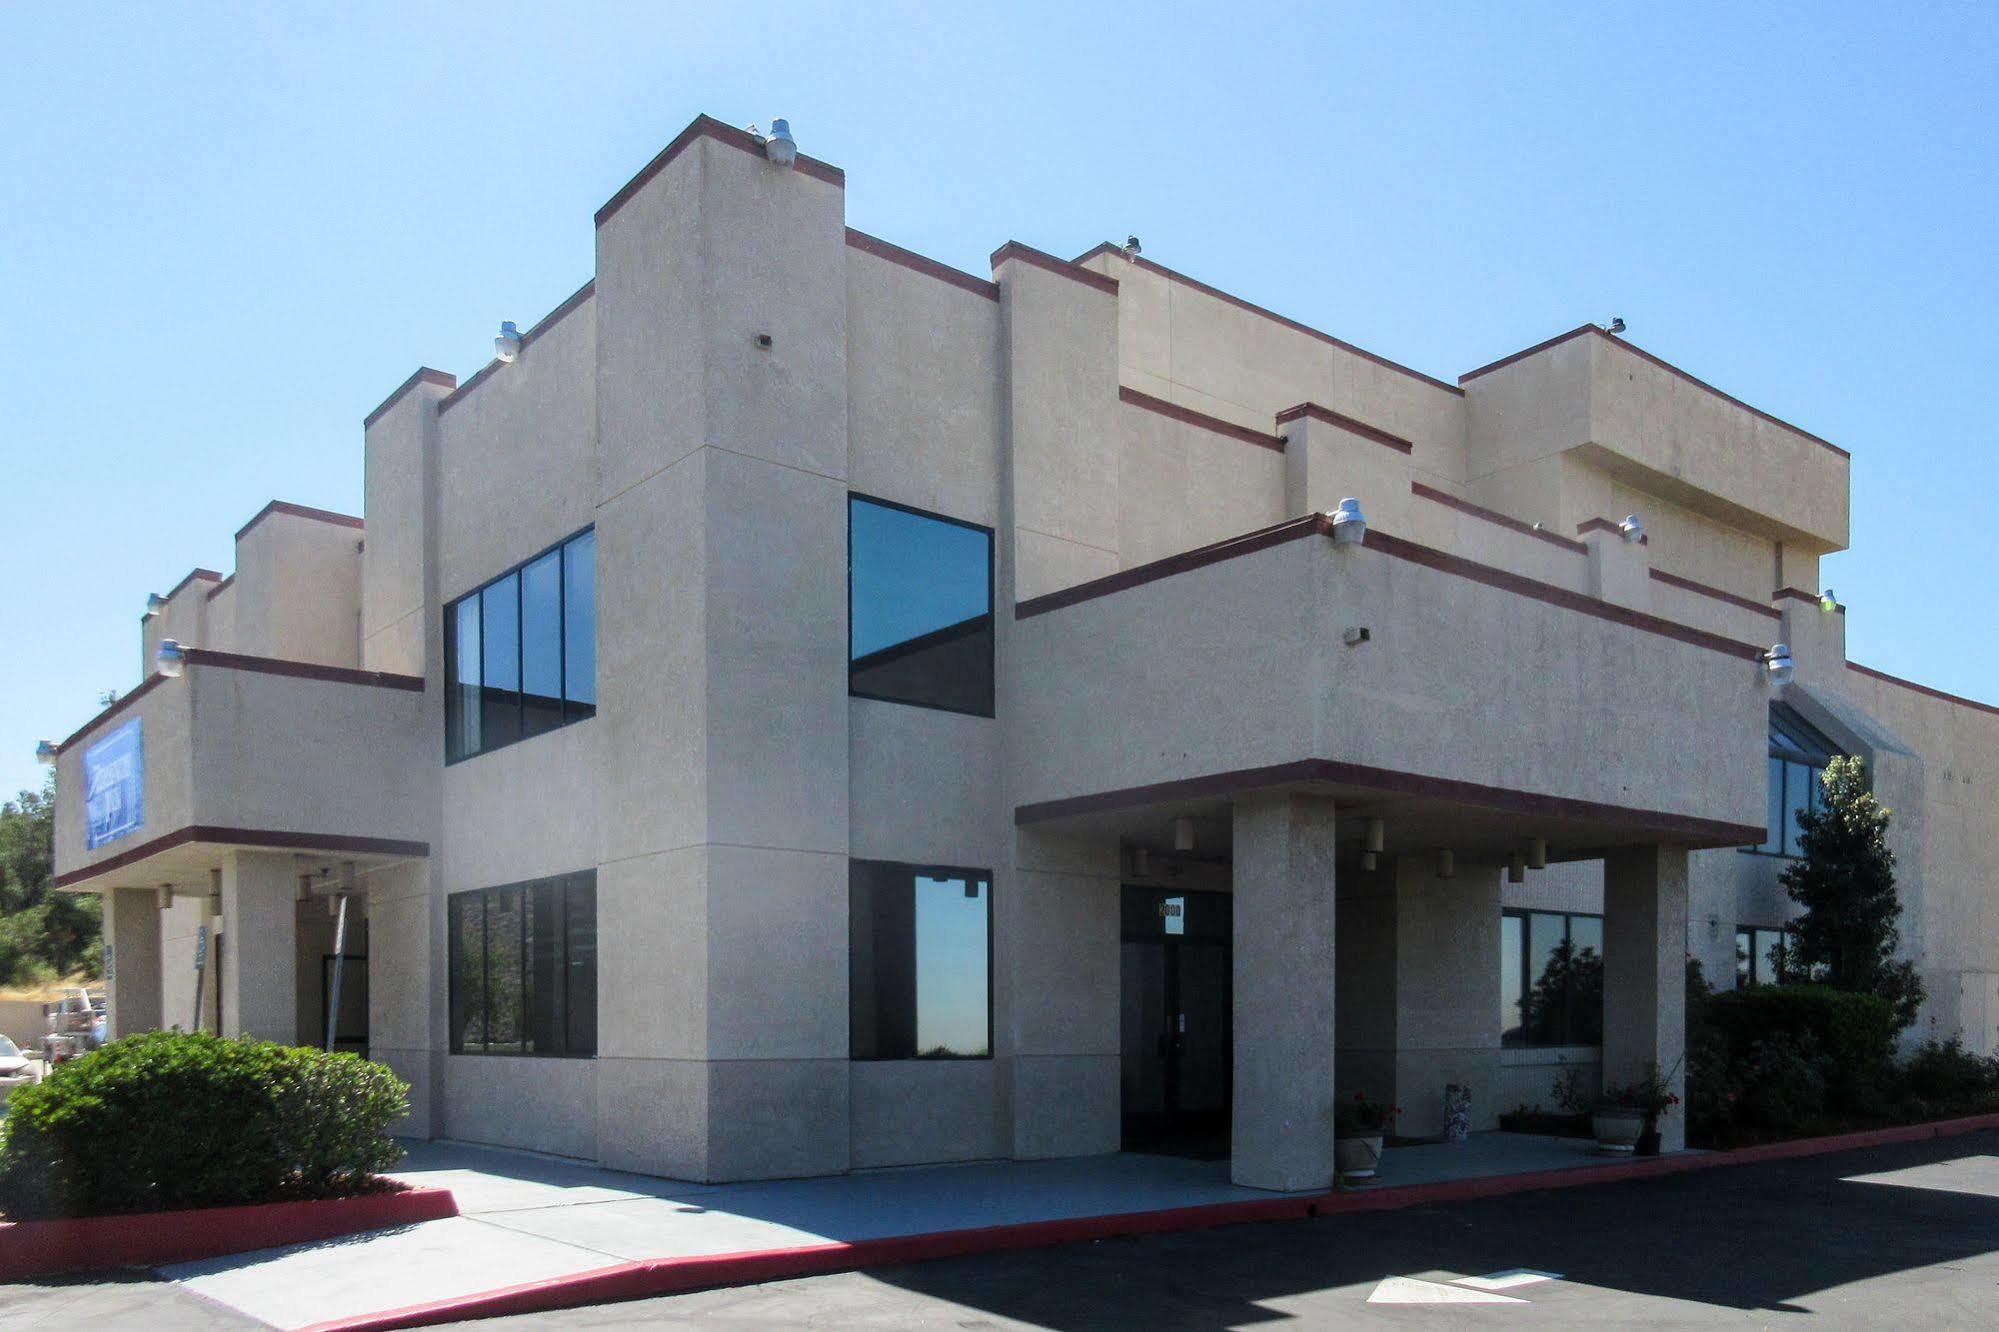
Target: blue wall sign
[[114, 785]]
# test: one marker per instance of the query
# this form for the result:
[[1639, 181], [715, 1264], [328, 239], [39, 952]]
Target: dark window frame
[[1528, 977], [572, 711], [481, 898], [991, 708], [918, 870], [1755, 953], [1798, 745]]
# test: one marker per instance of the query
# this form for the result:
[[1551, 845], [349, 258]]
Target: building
[[817, 709]]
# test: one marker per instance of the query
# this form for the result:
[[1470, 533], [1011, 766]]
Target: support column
[[1282, 1121], [259, 980], [132, 958], [1644, 971]]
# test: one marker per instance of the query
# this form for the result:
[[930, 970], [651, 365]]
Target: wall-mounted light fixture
[[1829, 601], [1777, 661], [1183, 834], [155, 603], [1349, 523], [1631, 529], [508, 345], [780, 147], [1355, 635], [1516, 868], [1141, 862], [1447, 865], [172, 658], [45, 753], [1537, 853]]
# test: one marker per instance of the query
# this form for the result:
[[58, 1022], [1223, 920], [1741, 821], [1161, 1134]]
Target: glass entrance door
[[1176, 1025]]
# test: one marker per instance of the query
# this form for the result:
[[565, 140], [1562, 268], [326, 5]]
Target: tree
[[1845, 881], [44, 935]]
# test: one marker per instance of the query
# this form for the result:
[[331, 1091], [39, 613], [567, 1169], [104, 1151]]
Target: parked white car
[[16, 1069]]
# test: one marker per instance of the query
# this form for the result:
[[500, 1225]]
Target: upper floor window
[[520, 653], [1550, 978], [1798, 755], [919, 608]]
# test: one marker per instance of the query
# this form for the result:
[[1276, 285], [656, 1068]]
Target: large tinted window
[[1798, 755], [523, 968], [920, 965], [1551, 978], [920, 608], [1759, 955], [520, 653]]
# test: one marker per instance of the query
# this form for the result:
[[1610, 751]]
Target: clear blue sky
[[227, 233]]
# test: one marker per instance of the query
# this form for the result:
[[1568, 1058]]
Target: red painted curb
[[146, 1239], [674, 1276]]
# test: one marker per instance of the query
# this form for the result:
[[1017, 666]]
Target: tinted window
[[920, 962], [1759, 955], [520, 653], [1798, 755], [523, 968], [541, 644], [920, 622], [579, 625], [1551, 978]]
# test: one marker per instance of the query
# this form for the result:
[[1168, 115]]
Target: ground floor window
[[920, 961], [524, 968], [1550, 978], [1759, 955]]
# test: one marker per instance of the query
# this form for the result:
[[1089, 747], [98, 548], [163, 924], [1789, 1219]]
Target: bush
[[1783, 1083], [1947, 1074], [170, 1120], [1855, 1032]]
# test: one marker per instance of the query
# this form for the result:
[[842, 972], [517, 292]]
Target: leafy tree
[[44, 935], [1845, 880]]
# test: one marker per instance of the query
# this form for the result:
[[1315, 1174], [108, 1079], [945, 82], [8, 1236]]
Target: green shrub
[[1856, 1032], [1782, 1084], [171, 1120], [1948, 1074]]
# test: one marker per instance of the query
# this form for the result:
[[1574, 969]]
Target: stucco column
[[1644, 971], [260, 946], [132, 952], [1282, 1120]]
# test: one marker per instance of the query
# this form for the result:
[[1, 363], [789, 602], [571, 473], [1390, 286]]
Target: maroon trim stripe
[[205, 575], [1263, 539], [1027, 254], [144, 687], [707, 127], [304, 670], [917, 263], [1589, 525], [1315, 412], [1318, 335], [1558, 596], [221, 587], [260, 837], [424, 375], [1665, 365], [1702, 589], [1898, 681], [1449, 500], [1718, 831], [300, 511], [541, 326], [1187, 415]]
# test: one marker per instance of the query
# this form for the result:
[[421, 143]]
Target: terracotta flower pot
[[1356, 1158], [1618, 1130]]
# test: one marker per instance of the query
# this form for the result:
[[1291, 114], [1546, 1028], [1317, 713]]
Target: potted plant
[[1358, 1126], [1627, 1117]]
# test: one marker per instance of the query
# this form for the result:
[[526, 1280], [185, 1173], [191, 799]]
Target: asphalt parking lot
[[1904, 1235]]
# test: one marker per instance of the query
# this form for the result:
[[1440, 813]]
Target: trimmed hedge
[[1855, 1032], [170, 1120]]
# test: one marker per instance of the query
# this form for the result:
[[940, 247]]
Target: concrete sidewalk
[[526, 1218]]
